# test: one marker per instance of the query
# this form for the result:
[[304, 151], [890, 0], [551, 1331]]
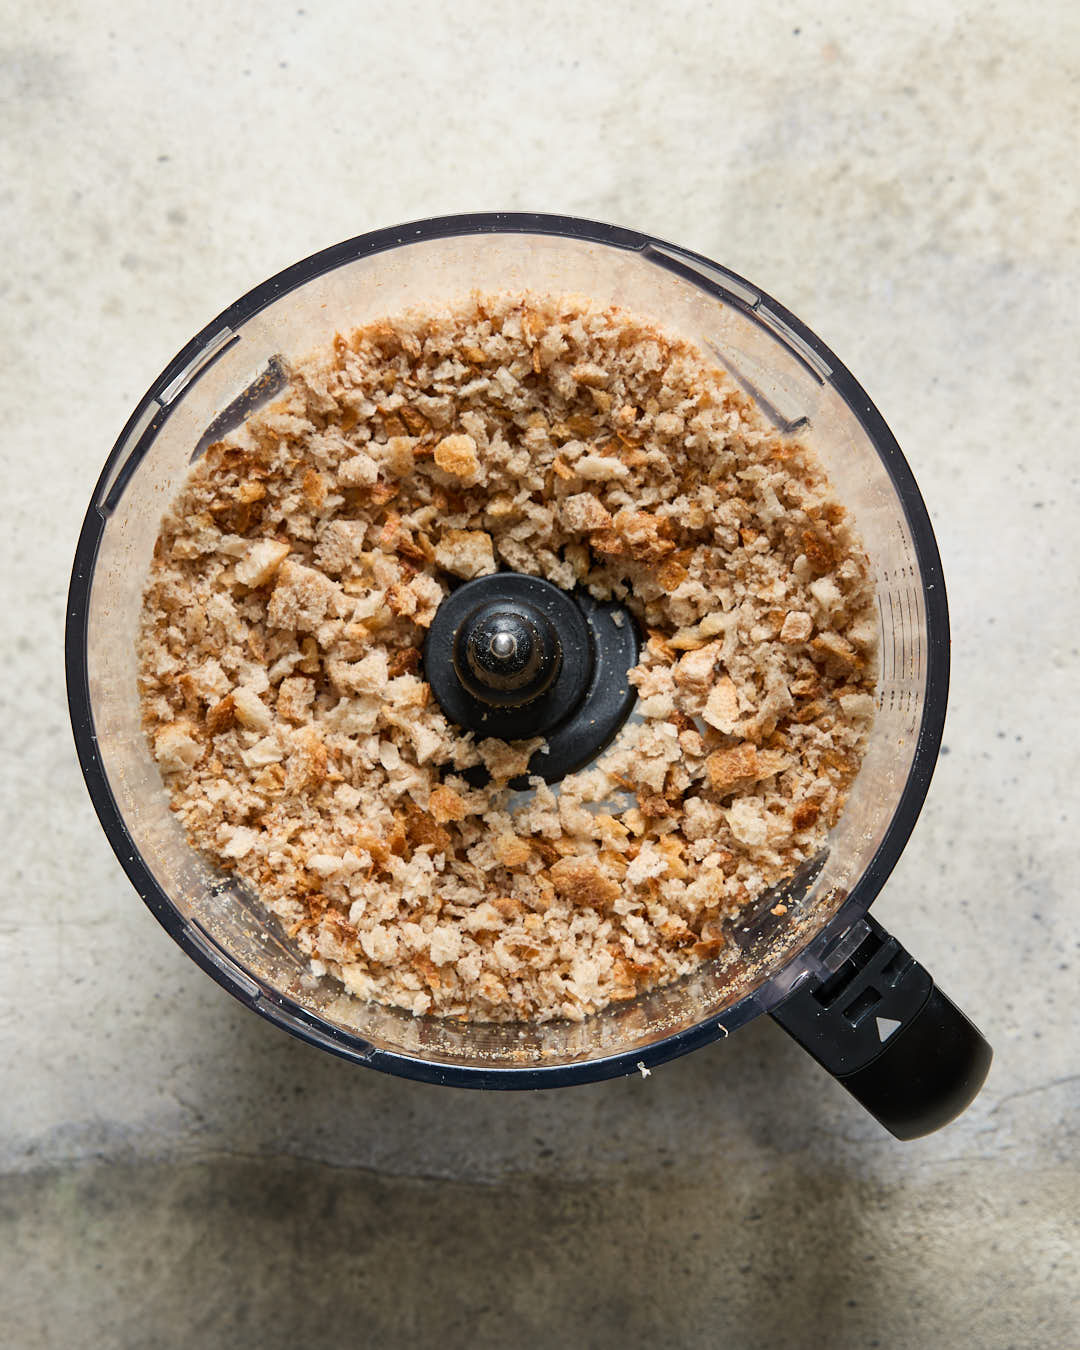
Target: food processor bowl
[[825, 969]]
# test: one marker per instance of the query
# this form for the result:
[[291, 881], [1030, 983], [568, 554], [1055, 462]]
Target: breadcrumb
[[296, 574]]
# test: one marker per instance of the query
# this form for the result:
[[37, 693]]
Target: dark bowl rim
[[714, 279]]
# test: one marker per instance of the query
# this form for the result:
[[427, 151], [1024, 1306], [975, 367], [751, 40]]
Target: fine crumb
[[281, 671]]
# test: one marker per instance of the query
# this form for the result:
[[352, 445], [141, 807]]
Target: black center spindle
[[510, 656], [507, 654]]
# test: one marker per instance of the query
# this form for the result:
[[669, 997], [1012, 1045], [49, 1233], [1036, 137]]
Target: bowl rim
[[717, 281]]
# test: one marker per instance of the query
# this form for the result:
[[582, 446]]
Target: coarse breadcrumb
[[297, 572]]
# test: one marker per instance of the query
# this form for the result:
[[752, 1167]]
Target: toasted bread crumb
[[300, 566], [456, 455], [260, 562], [729, 769], [466, 553], [176, 748], [722, 706], [796, 627], [583, 882], [445, 804]]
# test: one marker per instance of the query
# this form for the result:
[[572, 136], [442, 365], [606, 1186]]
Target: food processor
[[808, 953]]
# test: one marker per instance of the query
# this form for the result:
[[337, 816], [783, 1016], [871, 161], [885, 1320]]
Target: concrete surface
[[176, 1172]]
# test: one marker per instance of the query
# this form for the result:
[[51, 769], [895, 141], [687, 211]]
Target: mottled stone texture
[[176, 1172]]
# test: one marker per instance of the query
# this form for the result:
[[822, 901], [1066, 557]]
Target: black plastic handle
[[883, 1029]]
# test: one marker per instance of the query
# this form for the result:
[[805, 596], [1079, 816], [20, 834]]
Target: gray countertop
[[176, 1172]]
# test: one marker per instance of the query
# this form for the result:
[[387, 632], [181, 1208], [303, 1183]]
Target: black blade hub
[[513, 656]]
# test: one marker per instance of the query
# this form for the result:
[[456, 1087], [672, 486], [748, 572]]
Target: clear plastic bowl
[[233, 365]]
